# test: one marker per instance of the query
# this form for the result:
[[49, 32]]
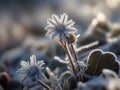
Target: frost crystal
[[60, 27], [30, 71]]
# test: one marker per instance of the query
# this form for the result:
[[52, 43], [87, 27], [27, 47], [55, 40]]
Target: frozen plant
[[63, 30], [60, 28], [31, 71]]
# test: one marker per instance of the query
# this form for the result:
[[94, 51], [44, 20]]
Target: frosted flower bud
[[71, 38]]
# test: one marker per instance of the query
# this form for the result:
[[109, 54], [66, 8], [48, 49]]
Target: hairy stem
[[76, 60], [70, 58], [75, 54], [65, 45]]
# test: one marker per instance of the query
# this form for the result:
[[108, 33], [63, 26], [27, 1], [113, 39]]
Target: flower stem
[[44, 85], [65, 45], [75, 54], [76, 60]]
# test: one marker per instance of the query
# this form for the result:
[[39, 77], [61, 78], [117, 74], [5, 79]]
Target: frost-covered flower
[[30, 71], [60, 27]]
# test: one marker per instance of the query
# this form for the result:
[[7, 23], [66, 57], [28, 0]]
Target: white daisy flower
[[60, 27], [30, 71]]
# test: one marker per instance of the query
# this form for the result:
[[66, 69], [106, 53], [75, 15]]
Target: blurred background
[[20, 19], [22, 24]]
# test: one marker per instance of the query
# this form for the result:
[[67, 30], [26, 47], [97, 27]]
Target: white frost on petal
[[31, 71], [52, 22], [57, 27], [56, 19], [70, 22], [64, 18], [33, 60], [24, 64]]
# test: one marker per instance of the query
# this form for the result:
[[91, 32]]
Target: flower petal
[[24, 64], [51, 22], [64, 18], [22, 71], [49, 27], [33, 60], [69, 23], [41, 64], [71, 29], [49, 32], [56, 18]]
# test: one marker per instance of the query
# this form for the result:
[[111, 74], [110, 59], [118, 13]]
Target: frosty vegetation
[[99, 71]]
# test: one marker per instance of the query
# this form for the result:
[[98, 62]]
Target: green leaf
[[99, 60]]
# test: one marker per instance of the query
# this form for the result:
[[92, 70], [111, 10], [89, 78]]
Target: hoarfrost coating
[[60, 27], [30, 71]]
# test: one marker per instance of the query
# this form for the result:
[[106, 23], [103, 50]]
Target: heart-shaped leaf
[[99, 60]]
